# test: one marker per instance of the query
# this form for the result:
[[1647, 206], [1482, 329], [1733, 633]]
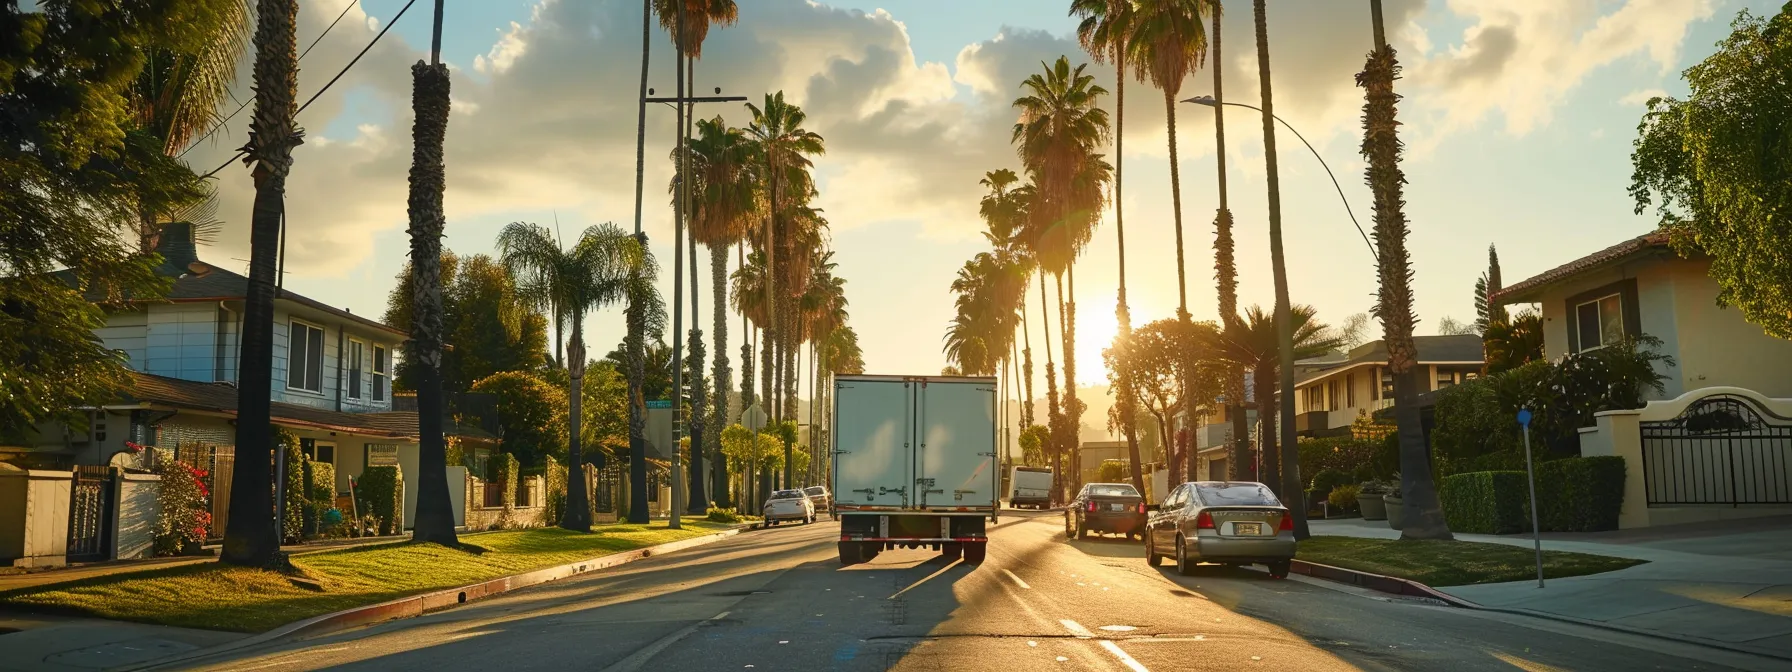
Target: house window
[[1445, 378], [1314, 398], [355, 354], [1387, 383], [318, 452], [1600, 322], [379, 373], [305, 358], [1350, 390], [1332, 397]]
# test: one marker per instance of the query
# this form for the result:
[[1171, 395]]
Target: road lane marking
[[1124, 659], [640, 658], [1076, 628], [929, 577], [1017, 580]]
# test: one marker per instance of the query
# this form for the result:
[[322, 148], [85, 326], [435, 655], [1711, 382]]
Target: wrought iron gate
[[1722, 450], [90, 514]]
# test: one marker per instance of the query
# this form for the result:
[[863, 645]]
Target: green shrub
[[1114, 471], [1340, 453], [1580, 494], [1343, 497], [555, 505], [323, 484], [504, 474], [1376, 487], [1325, 481], [1485, 502], [185, 513], [719, 515], [381, 494], [293, 490]]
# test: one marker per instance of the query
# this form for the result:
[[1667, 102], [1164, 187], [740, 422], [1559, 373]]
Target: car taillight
[[1091, 506], [1287, 521], [1204, 521], [1141, 507]]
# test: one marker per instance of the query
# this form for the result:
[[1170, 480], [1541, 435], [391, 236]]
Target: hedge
[[1485, 502], [504, 472], [555, 481], [1341, 453], [293, 490], [323, 484], [381, 491], [1580, 494]]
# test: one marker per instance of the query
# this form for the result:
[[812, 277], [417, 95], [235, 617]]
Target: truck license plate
[[1253, 529]]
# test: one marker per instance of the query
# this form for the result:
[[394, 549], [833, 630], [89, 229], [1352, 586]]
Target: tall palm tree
[[1393, 305], [724, 205], [824, 311], [641, 309], [605, 266], [784, 146], [1169, 42], [1254, 342], [1104, 31], [430, 102], [1225, 267], [1060, 127], [1004, 211], [250, 538]]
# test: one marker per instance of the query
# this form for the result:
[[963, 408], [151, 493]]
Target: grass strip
[[1452, 563], [214, 596]]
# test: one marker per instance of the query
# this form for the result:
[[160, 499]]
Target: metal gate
[[90, 514], [1721, 450]]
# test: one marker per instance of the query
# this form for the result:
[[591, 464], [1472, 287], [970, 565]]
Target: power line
[[245, 104], [333, 80]]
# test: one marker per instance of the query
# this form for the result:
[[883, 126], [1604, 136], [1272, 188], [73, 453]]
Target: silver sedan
[[1228, 522]]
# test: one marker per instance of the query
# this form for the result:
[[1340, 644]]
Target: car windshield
[[1236, 494], [1112, 490], [787, 494], [815, 490]]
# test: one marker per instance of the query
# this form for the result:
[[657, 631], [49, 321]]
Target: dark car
[[1227, 522], [1114, 508]]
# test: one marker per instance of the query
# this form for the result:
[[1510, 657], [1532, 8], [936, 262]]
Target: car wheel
[[1151, 557], [1184, 566], [1279, 569]]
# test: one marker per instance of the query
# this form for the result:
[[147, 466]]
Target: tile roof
[[221, 398], [1529, 287]]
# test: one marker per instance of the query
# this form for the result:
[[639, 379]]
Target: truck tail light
[[1287, 521], [1091, 506], [1204, 521]]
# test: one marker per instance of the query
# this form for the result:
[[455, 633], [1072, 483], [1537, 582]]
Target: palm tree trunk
[[1027, 412], [1073, 408], [1381, 147], [1055, 415], [1266, 432], [1128, 413], [1290, 455], [578, 508], [637, 317], [1225, 274], [719, 415], [251, 538], [430, 104], [696, 501]]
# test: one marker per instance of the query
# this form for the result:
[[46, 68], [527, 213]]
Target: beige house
[[1640, 286], [1334, 393]]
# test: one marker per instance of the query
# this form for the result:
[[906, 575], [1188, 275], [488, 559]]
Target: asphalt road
[[779, 600]]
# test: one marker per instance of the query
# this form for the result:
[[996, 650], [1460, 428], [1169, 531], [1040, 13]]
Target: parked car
[[789, 505], [1228, 522], [821, 499], [1115, 508], [1030, 487]]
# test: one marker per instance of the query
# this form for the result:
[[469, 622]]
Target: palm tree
[[606, 265], [423, 353], [1254, 342], [784, 146], [1225, 268], [1004, 211], [250, 538], [1393, 305], [1060, 126], [1104, 31], [724, 204], [824, 312]]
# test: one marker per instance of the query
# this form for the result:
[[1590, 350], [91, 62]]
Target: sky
[[1518, 117]]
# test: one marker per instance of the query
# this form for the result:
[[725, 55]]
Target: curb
[[1409, 588], [417, 605]]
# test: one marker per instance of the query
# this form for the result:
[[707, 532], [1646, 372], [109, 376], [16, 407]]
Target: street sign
[[1530, 476], [1524, 417], [752, 418], [659, 403]]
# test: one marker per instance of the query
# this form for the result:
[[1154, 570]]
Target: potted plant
[[1396, 506], [1369, 500]]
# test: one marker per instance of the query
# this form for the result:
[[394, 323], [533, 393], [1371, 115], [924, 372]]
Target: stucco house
[[1641, 286], [1332, 394]]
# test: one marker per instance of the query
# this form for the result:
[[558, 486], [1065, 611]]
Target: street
[[779, 600]]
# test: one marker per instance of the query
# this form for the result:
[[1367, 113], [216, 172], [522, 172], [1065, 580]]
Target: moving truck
[[1030, 486], [914, 464]]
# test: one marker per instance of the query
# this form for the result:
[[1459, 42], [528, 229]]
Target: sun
[[1095, 332]]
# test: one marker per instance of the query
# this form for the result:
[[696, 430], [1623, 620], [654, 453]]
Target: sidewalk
[[1724, 584], [45, 577]]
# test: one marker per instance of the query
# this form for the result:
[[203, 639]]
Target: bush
[[1343, 497], [293, 490], [381, 491], [1580, 494], [1114, 471], [504, 474], [1340, 453], [554, 508], [719, 515], [1376, 487], [185, 516], [1485, 502], [1324, 482]]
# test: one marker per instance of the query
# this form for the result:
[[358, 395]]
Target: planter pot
[[1396, 511], [1372, 506]]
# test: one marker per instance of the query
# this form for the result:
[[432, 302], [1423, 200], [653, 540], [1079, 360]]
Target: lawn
[[218, 597], [1452, 563]]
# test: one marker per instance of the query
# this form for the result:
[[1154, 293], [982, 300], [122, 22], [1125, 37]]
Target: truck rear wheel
[[951, 550], [853, 552], [974, 552]]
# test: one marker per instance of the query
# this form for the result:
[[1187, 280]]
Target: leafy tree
[[1168, 357], [657, 383], [1509, 345], [1254, 344], [1449, 326], [490, 327], [1487, 311], [531, 414], [1032, 444], [1716, 167]]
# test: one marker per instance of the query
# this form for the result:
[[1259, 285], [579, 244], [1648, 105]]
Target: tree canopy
[[489, 327]]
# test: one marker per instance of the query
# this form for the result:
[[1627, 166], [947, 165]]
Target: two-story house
[[332, 380], [1335, 391]]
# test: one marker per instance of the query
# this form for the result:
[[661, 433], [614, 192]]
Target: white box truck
[[914, 464]]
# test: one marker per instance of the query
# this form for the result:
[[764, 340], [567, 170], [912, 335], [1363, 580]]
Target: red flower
[[134, 446]]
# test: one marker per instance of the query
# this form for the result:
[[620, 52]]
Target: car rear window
[[1236, 494], [787, 494], [1113, 491], [816, 490]]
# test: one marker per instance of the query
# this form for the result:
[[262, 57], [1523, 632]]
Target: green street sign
[[659, 403]]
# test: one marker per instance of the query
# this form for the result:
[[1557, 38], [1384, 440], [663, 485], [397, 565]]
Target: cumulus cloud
[[1640, 97]]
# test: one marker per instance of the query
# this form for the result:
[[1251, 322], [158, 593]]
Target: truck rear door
[[956, 460], [874, 435]]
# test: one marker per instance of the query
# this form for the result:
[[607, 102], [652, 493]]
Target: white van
[[1030, 487]]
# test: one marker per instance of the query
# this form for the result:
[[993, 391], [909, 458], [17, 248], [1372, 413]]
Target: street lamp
[[1210, 102]]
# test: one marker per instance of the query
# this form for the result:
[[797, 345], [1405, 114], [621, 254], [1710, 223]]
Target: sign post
[[1524, 420], [753, 419]]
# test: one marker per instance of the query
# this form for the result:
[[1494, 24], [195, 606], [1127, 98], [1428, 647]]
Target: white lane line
[[1017, 580], [1124, 659], [1076, 628]]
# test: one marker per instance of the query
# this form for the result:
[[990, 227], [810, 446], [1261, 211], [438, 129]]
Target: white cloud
[[1641, 97]]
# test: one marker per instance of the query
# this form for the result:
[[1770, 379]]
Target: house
[[1640, 286], [1333, 392]]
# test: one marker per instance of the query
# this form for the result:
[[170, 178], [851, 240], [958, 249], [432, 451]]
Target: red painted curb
[[1387, 584]]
